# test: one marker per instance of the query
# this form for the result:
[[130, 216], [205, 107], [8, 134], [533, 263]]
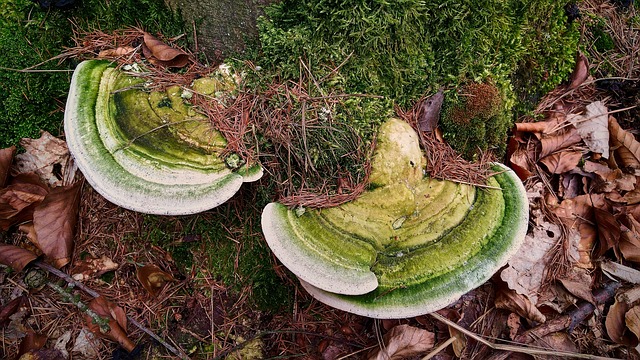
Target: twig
[[513, 348], [93, 293], [440, 348]]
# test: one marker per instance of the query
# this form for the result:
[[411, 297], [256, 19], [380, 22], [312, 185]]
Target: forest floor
[[583, 256]]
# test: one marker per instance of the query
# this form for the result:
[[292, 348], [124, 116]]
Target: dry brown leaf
[[630, 238], [117, 322], [11, 308], [508, 299], [557, 341], [562, 162], [620, 271], [513, 323], [580, 289], [91, 268], [48, 157], [632, 320], [55, 222], [580, 71], [404, 341], [553, 143], [15, 257], [152, 278], [43, 354], [593, 127], [31, 342], [162, 54], [608, 230], [624, 137], [632, 197], [18, 200], [520, 164], [615, 323], [459, 342], [6, 159], [430, 111], [117, 52]]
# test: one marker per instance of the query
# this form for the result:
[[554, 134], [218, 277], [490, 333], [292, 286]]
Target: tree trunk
[[223, 27]]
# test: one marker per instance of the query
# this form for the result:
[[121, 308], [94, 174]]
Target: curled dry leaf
[[19, 199], [580, 289], [117, 52], [90, 268], [31, 342], [580, 71], [608, 230], [117, 322], [553, 143], [615, 323], [48, 157], [430, 111], [632, 320], [162, 54], [519, 160], [15, 257], [404, 341], [11, 308], [152, 278], [624, 138], [6, 158], [562, 162], [508, 299], [55, 222], [621, 272]]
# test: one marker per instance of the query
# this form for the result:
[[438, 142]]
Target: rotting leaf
[[580, 71], [6, 158], [562, 162], [117, 322], [608, 230], [11, 308], [430, 111], [632, 320], [508, 299], [624, 137], [42, 157], [157, 52], [593, 127], [92, 267], [55, 222], [404, 341], [15, 257], [152, 278], [31, 342]]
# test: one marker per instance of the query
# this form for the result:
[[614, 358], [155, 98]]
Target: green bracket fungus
[[146, 151], [409, 246]]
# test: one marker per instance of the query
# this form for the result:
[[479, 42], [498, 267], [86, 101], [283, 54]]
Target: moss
[[30, 35], [603, 41]]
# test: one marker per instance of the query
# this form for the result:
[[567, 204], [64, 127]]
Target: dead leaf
[[117, 322], [15, 257], [55, 222], [562, 162], [404, 341], [157, 52], [553, 143], [525, 271], [615, 323], [31, 342], [621, 272], [580, 71], [117, 52], [11, 308], [91, 268], [632, 320], [43, 354], [508, 299], [86, 344], [630, 238], [459, 343], [48, 157], [593, 127], [608, 230], [624, 138], [152, 278], [430, 111], [557, 341], [513, 323], [19, 199], [519, 162], [580, 289], [6, 159]]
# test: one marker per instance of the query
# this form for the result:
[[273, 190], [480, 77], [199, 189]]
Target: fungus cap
[[408, 246], [146, 151]]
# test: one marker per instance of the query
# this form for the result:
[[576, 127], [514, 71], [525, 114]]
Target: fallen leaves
[[15, 257], [404, 341], [91, 268], [593, 127], [157, 52], [152, 278], [111, 322]]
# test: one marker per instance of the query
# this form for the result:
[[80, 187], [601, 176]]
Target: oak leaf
[[404, 341]]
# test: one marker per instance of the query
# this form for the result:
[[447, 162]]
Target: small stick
[[93, 293], [440, 348]]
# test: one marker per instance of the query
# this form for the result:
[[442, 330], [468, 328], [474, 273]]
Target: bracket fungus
[[146, 151], [409, 245]]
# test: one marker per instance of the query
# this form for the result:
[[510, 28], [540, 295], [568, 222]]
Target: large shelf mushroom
[[408, 246], [146, 151]]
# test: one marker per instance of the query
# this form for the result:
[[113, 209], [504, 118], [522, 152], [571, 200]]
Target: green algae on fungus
[[146, 151], [409, 246]]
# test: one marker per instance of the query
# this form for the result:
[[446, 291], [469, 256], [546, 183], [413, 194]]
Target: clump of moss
[[409, 49]]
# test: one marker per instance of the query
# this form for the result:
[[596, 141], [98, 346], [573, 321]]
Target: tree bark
[[223, 27]]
